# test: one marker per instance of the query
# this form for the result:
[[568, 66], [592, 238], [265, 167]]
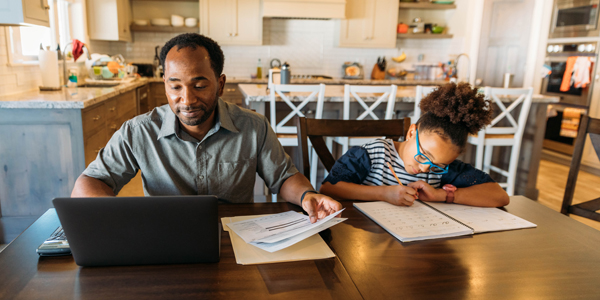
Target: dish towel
[[566, 82], [77, 49], [581, 72]]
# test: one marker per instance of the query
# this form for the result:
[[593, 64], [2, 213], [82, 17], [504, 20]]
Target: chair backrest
[[587, 126], [516, 127], [389, 95], [316, 130], [317, 93], [421, 92]]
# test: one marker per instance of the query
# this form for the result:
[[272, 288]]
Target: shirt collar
[[170, 125]]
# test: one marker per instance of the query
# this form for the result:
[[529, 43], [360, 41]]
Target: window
[[25, 40]]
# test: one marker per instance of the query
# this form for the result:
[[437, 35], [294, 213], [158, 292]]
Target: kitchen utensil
[[145, 70], [275, 63], [160, 22], [177, 21], [191, 22], [286, 75], [427, 28], [156, 61], [140, 22], [418, 25], [437, 29], [352, 70], [378, 72], [106, 73], [443, 1], [402, 28]]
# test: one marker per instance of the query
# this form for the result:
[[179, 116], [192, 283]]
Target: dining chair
[[420, 93], [507, 133], [315, 131], [388, 96], [286, 134], [587, 127]]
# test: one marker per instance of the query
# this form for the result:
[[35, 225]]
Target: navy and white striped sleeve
[[464, 175], [352, 167]]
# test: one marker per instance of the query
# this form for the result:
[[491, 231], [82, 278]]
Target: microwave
[[575, 18]]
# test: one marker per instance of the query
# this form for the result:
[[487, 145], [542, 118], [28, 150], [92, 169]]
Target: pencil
[[392, 169]]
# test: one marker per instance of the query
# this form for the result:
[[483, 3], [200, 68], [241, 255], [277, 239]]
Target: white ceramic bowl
[[191, 22], [176, 21], [140, 22], [160, 22]]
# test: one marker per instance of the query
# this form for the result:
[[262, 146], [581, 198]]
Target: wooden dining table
[[557, 260]]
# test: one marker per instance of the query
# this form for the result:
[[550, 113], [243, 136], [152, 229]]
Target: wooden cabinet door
[[108, 20], [232, 22], [36, 12], [369, 24]]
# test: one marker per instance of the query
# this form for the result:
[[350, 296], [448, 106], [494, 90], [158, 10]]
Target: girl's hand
[[427, 192], [399, 195]]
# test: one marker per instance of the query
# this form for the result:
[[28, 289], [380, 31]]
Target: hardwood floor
[[552, 179]]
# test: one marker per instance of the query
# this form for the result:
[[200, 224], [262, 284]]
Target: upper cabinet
[[232, 22], [369, 24], [102, 15], [25, 12], [325, 9]]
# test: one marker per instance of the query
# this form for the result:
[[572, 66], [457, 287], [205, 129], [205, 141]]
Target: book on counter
[[432, 220]]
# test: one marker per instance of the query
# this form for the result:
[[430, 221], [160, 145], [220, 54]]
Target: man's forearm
[[293, 187], [91, 187]]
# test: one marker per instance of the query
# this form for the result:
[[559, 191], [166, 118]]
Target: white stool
[[287, 135], [493, 135], [421, 92]]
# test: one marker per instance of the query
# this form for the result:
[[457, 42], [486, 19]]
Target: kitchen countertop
[[67, 98], [335, 93], [330, 81]]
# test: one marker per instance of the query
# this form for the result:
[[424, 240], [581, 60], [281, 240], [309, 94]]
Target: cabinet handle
[[230, 90], [144, 95], [98, 150], [230, 34], [113, 108], [235, 34], [96, 118], [113, 126]]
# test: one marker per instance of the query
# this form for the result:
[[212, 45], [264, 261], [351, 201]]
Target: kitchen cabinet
[[22, 12], [157, 95], [369, 24], [108, 20], [232, 22]]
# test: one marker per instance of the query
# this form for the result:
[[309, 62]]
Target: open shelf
[[424, 36], [426, 5], [150, 28]]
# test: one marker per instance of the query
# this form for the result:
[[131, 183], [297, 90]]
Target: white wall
[[16, 79]]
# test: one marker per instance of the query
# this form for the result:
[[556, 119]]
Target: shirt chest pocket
[[236, 180]]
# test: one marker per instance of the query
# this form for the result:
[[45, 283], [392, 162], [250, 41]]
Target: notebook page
[[412, 223], [482, 219]]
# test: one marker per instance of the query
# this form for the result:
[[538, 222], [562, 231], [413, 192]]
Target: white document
[[482, 219], [276, 246], [275, 228], [245, 254], [412, 223]]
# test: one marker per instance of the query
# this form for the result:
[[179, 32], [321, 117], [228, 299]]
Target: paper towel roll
[[49, 66]]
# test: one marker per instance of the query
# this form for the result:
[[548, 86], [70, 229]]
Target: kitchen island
[[256, 97]]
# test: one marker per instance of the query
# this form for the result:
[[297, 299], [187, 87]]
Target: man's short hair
[[193, 40]]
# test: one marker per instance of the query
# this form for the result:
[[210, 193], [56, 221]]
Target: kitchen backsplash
[[307, 45], [16, 79]]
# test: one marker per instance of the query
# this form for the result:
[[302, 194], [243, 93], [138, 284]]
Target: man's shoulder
[[242, 117], [151, 120]]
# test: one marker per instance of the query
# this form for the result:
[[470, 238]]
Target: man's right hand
[[399, 195]]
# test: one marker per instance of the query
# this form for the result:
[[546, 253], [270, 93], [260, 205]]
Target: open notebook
[[437, 220]]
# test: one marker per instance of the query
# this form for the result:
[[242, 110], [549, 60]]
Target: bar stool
[[287, 134], [493, 135], [421, 92]]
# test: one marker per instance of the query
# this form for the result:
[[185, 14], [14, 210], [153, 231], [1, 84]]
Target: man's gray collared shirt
[[224, 163]]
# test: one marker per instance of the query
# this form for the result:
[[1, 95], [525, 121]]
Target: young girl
[[426, 161]]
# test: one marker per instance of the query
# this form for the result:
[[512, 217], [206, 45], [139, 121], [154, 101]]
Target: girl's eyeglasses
[[422, 159]]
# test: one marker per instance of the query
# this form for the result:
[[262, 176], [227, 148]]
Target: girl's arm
[[394, 194], [488, 194]]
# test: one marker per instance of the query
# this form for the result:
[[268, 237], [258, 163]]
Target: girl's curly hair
[[455, 111]]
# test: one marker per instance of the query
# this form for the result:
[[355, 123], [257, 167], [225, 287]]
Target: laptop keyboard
[[55, 245], [58, 235]]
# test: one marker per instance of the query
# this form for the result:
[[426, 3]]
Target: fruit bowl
[[437, 29]]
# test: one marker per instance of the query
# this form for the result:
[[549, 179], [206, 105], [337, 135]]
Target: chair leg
[[487, 160], [479, 156], [346, 141], [313, 168], [512, 170]]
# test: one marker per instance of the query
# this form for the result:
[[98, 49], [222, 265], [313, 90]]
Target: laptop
[[110, 231]]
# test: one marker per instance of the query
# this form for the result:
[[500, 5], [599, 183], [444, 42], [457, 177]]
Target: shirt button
[[200, 147], [201, 176]]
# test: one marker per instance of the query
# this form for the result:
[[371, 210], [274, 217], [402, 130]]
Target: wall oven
[[578, 62], [575, 18]]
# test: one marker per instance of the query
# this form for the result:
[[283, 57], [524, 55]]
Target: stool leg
[[512, 170], [346, 141], [313, 168]]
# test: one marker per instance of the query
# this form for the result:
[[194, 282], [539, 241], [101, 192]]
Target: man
[[199, 144]]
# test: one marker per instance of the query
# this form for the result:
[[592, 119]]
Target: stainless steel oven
[[575, 18], [563, 119]]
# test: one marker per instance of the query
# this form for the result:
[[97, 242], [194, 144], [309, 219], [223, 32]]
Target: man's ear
[[221, 81]]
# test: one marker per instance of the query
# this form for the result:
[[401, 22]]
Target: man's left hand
[[319, 206]]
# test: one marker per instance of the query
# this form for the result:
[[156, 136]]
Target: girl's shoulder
[[379, 145]]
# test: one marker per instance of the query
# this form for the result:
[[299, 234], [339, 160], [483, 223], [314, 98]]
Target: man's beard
[[207, 112]]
